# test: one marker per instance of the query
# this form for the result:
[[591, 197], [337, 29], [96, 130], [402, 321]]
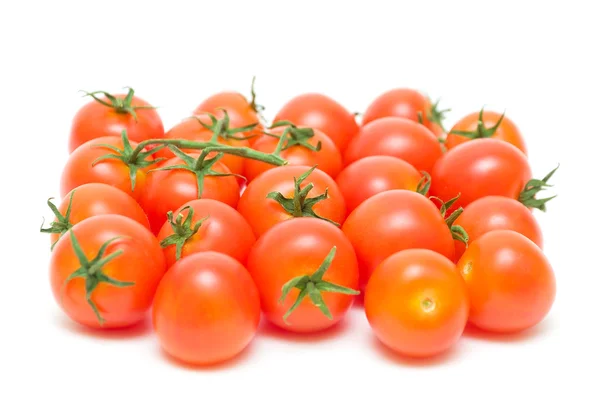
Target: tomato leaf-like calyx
[[294, 136], [135, 160], [437, 116], [458, 232], [220, 127], [313, 285], [91, 271], [481, 132], [182, 230], [301, 205], [120, 105], [62, 223], [424, 183], [532, 188], [257, 108]]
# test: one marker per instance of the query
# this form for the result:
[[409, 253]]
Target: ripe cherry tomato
[[510, 282], [485, 124], [322, 113], [299, 149], [416, 303], [205, 225], [109, 115], [104, 272], [206, 309], [398, 137], [494, 213], [263, 210], [375, 174], [392, 221], [89, 200], [183, 179], [306, 273]]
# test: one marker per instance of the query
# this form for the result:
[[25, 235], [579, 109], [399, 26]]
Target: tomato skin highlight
[[492, 213], [479, 168], [206, 309], [141, 262], [225, 231], [510, 282], [397, 137], [416, 303], [369, 176], [297, 247], [323, 113], [393, 221], [263, 213], [95, 120]]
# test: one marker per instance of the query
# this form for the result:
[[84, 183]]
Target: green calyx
[[312, 286], [437, 116], [134, 159], [532, 188], [481, 132], [294, 136], [91, 271], [62, 223], [301, 205], [257, 108], [221, 128], [424, 183], [183, 230], [458, 232], [120, 105]]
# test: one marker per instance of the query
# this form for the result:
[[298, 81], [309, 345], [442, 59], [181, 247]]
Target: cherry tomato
[[109, 115], [322, 200], [206, 309], [104, 272], [322, 113], [392, 221], [205, 225], [510, 282], [89, 200], [398, 137], [371, 175], [485, 124], [494, 213], [306, 273], [416, 303]]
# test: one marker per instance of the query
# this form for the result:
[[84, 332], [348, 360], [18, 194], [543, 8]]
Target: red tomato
[[306, 273], [494, 213], [510, 282], [322, 113], [398, 137], [368, 176], [416, 303], [180, 180], [322, 200], [485, 124], [109, 115], [205, 225], [392, 221], [327, 158], [206, 309], [90, 200], [105, 271]]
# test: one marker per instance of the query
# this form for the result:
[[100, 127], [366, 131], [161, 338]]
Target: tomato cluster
[[225, 218]]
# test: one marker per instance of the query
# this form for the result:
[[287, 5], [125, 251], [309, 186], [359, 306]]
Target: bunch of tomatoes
[[225, 217]]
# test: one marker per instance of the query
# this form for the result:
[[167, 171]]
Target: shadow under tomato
[[270, 330], [232, 362], [419, 362], [541, 329], [140, 329]]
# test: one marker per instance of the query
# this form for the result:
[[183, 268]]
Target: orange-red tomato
[[392, 221], [398, 137], [368, 176], [510, 282], [262, 212], [322, 113], [479, 168], [222, 229], [296, 248], [95, 120], [416, 303], [506, 130], [120, 284], [494, 213], [206, 309], [328, 158]]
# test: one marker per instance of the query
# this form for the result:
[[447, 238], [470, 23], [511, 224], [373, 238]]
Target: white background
[[537, 61]]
